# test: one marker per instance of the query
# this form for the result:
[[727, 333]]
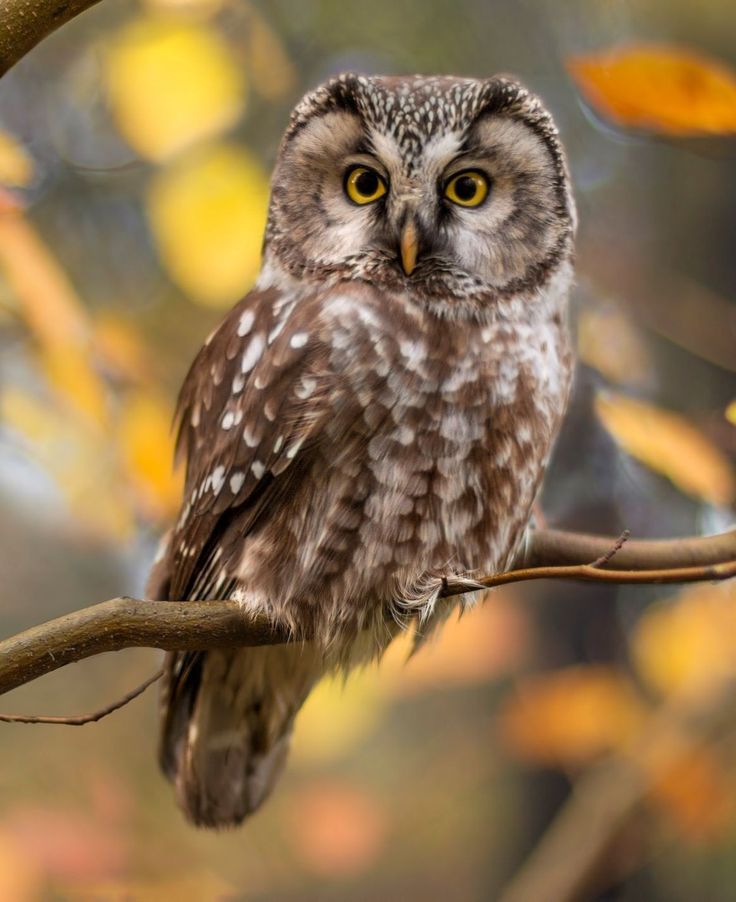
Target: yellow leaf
[[731, 413], [690, 644], [337, 717], [120, 348], [609, 342], [49, 304], [146, 445], [207, 213], [568, 717], [72, 378], [16, 168], [668, 89], [171, 83], [668, 443], [79, 460]]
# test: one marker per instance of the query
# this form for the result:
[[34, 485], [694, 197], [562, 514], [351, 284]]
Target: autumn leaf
[[336, 828], [694, 792], [71, 376], [170, 84], [667, 89], [338, 716], [207, 213], [147, 449], [80, 464], [48, 302], [688, 644], [120, 348], [609, 342], [671, 445], [569, 717]]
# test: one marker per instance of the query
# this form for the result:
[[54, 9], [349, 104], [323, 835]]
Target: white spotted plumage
[[355, 432]]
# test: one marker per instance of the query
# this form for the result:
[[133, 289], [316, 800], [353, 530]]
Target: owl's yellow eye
[[363, 185], [468, 189]]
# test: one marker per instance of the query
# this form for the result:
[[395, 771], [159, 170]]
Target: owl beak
[[409, 245]]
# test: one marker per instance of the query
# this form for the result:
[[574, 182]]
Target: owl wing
[[250, 416]]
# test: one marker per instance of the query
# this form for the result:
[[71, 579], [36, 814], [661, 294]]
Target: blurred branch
[[199, 625], [575, 860], [24, 23]]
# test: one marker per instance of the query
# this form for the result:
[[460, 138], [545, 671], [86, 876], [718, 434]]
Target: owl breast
[[433, 453]]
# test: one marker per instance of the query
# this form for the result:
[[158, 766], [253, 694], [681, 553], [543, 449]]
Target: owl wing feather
[[250, 417]]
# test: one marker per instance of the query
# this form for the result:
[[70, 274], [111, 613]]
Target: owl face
[[447, 188]]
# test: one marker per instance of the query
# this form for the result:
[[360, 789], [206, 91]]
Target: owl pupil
[[367, 183], [466, 187]]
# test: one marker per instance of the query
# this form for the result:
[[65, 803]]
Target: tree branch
[[24, 23], [199, 625]]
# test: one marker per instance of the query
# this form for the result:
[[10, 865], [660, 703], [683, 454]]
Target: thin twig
[[78, 720], [613, 551], [199, 625]]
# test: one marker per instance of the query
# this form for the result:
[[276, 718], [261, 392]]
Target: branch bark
[[24, 23], [199, 625]]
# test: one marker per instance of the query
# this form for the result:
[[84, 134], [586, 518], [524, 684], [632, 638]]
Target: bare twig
[[79, 720], [612, 551], [24, 23], [197, 625]]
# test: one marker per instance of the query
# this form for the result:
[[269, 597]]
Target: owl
[[375, 416]]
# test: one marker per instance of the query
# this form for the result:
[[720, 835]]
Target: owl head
[[455, 190]]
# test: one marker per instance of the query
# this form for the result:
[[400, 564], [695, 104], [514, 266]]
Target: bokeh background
[[135, 148]]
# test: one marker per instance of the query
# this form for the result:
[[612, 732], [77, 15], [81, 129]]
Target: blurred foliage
[[671, 90], [134, 153]]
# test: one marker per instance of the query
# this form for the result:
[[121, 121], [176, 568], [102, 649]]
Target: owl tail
[[228, 718]]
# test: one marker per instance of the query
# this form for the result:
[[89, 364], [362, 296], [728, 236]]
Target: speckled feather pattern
[[352, 436]]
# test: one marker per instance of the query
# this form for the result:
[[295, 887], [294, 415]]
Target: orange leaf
[[667, 89], [668, 443], [48, 301], [336, 828], [694, 791], [688, 644], [147, 447], [568, 717]]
